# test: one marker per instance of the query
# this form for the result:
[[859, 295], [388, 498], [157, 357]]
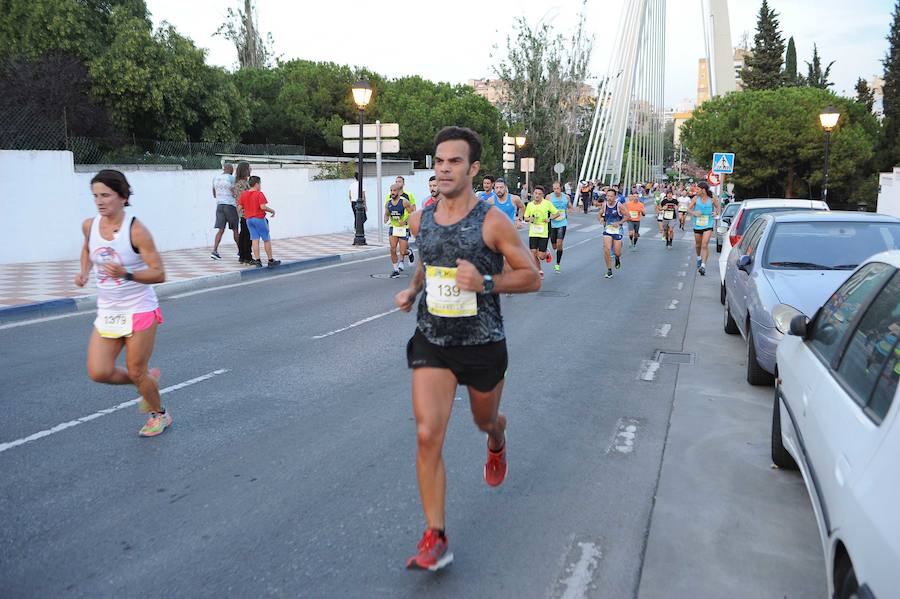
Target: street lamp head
[[829, 118], [362, 93], [520, 140]]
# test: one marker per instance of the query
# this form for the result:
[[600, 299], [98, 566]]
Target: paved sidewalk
[[725, 522], [22, 284]]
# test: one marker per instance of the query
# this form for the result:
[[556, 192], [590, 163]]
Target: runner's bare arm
[[500, 235], [409, 208], [143, 241], [406, 298], [81, 278]]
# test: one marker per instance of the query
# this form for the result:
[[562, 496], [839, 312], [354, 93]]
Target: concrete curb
[[88, 303]]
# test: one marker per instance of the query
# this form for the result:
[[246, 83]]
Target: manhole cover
[[674, 357], [379, 275], [552, 294]]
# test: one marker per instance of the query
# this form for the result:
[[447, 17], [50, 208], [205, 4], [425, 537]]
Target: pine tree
[[864, 95], [815, 76], [891, 62], [790, 63], [763, 70]]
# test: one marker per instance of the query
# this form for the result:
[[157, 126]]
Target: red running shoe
[[495, 467], [432, 553], [549, 258]]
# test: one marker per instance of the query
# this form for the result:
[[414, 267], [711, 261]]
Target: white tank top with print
[[113, 293]]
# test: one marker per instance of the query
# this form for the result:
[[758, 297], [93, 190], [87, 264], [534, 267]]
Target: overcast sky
[[455, 41]]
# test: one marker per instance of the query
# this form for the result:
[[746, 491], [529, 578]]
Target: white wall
[[889, 193], [46, 202]]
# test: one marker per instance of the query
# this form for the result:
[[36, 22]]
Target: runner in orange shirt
[[634, 211]]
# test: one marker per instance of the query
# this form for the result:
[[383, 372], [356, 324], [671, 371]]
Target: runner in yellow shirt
[[538, 213]]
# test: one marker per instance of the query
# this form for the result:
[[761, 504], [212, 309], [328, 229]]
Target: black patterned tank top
[[441, 246]]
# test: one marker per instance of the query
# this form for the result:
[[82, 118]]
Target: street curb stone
[[88, 303]]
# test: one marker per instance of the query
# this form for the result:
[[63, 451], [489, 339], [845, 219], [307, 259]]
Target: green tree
[[763, 70], [157, 85], [890, 151], [790, 63], [864, 95], [543, 76], [260, 89], [779, 144], [815, 76]]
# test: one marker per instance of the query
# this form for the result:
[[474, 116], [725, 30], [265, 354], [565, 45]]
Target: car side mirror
[[800, 326], [744, 263]]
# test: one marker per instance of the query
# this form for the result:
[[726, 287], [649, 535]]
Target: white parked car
[[836, 417], [751, 210]]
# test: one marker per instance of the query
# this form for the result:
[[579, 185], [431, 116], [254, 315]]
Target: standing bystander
[[226, 208]]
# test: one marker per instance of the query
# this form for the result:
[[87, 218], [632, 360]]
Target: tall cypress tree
[[892, 94], [763, 70], [815, 76], [790, 63]]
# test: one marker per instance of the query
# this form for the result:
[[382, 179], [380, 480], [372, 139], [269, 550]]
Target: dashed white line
[[682, 273], [679, 286], [662, 330], [95, 415], [581, 574], [648, 370], [355, 324], [673, 305], [591, 228]]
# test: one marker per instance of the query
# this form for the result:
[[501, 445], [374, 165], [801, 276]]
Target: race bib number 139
[[443, 297]]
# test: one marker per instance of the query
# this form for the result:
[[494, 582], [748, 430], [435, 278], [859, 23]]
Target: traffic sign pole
[[378, 180]]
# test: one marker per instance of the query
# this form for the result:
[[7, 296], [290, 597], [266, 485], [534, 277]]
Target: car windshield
[[730, 210], [829, 245], [751, 214]]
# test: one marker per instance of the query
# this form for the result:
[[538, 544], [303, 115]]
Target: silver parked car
[[797, 259]]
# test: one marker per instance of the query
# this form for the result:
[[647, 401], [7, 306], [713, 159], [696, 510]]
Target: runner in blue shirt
[[488, 194], [563, 203]]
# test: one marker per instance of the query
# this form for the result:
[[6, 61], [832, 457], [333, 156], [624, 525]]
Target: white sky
[[454, 41]]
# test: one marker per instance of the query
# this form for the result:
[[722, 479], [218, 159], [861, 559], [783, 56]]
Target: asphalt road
[[290, 470]]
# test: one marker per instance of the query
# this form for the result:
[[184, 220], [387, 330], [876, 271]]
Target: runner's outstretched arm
[[406, 298]]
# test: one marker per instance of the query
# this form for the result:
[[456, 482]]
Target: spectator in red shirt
[[254, 204]]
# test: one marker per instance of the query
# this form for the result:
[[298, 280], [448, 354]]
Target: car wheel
[[780, 456], [755, 373], [722, 293], [730, 324], [718, 248], [845, 584]]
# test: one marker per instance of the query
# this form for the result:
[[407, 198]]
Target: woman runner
[[126, 264]]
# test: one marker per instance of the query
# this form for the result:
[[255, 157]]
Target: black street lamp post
[[362, 94], [828, 119]]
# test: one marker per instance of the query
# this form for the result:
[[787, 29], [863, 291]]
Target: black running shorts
[[557, 234], [479, 366], [538, 243]]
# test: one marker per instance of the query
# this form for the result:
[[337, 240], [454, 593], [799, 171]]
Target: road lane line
[[682, 273], [662, 330], [679, 286], [648, 370], [356, 324], [95, 415], [673, 305], [591, 228]]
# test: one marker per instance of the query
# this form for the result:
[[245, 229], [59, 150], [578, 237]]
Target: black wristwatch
[[488, 284], [129, 276]]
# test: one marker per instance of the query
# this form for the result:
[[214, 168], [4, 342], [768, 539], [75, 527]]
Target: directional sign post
[[527, 165], [509, 153], [377, 146], [559, 168]]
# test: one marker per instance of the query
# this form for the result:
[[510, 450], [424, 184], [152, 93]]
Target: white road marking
[[673, 305], [648, 370], [662, 330], [579, 580], [356, 324], [679, 286], [95, 415], [682, 273], [626, 432], [591, 228], [13, 325]]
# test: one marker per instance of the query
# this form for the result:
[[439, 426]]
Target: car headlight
[[783, 314]]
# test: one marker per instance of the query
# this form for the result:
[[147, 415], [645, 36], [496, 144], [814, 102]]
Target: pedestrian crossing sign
[[723, 163]]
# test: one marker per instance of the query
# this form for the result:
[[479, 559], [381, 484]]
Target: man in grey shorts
[[226, 208]]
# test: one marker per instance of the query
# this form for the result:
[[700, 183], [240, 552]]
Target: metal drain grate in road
[[674, 357], [379, 275]]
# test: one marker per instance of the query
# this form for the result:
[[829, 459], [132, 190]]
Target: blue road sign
[[723, 163]]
